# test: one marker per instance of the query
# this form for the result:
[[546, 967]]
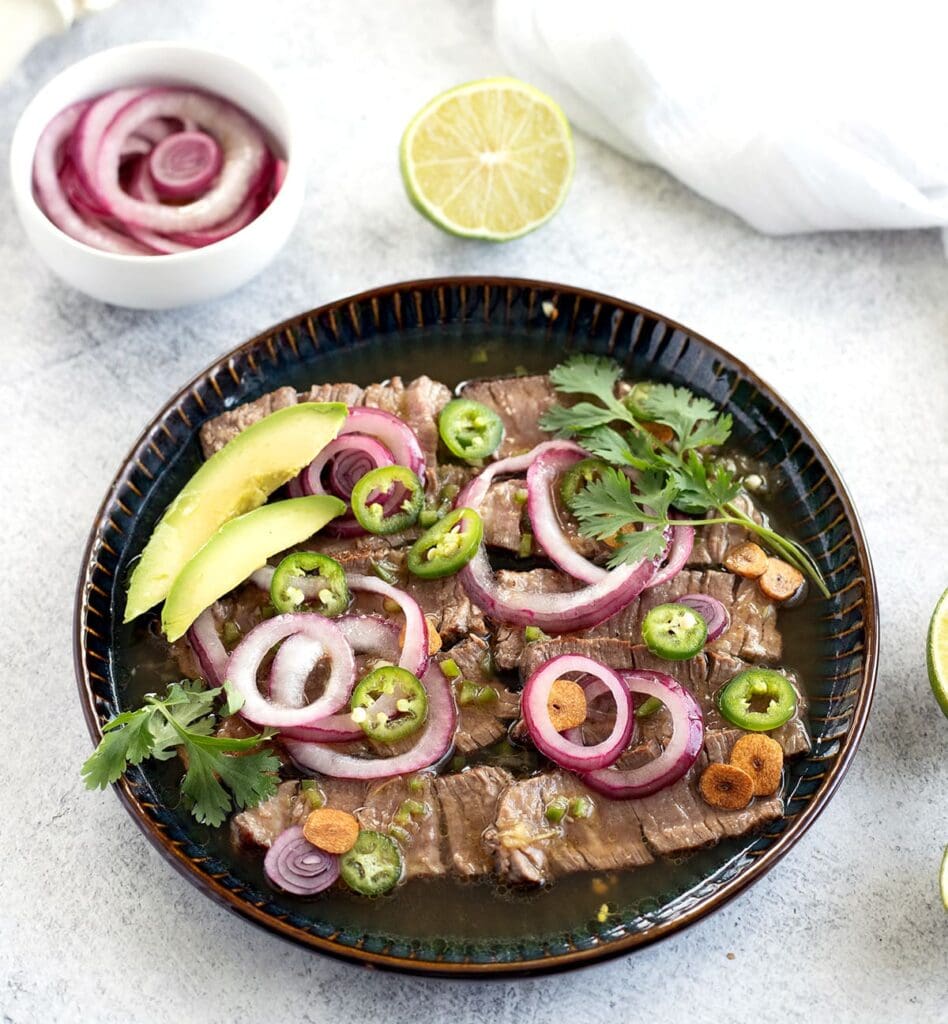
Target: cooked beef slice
[[520, 402], [528, 850], [244, 607], [468, 805], [480, 725], [421, 406], [503, 515], [225, 427], [676, 819], [348, 394], [422, 850], [752, 636], [342, 794], [260, 825]]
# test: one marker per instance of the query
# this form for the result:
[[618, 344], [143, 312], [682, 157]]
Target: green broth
[[472, 912]]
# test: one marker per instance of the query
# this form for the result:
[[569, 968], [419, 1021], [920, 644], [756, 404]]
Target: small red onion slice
[[208, 648], [681, 542], [559, 748], [246, 658], [184, 164], [294, 865], [711, 610], [434, 742], [395, 434], [241, 144], [542, 476], [291, 668], [414, 656], [680, 754], [87, 135], [140, 186]]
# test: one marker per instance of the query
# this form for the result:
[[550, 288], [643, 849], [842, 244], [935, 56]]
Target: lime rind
[[937, 654], [944, 879], [433, 212]]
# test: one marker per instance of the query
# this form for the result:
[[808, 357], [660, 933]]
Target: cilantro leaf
[[632, 450], [569, 419], [587, 375], [606, 506], [184, 719], [633, 547]]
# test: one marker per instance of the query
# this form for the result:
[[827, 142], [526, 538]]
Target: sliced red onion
[[263, 576], [348, 459], [681, 541], [246, 658], [53, 200], [711, 610], [135, 145], [395, 434], [338, 728], [87, 135], [414, 656], [680, 754], [294, 865], [554, 613], [542, 477], [159, 128], [241, 143], [208, 648], [250, 210], [291, 668], [140, 186], [559, 748], [184, 164], [434, 742]]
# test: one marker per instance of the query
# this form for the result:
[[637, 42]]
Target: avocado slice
[[238, 478], [237, 549]]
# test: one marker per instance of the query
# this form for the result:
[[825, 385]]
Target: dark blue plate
[[447, 328]]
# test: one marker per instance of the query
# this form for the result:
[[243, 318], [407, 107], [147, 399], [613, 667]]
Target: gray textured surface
[[852, 329]]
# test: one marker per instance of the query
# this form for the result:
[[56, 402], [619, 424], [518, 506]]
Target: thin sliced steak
[[529, 850], [752, 636], [468, 803], [503, 515], [712, 543], [520, 402], [260, 825], [480, 725], [422, 848], [348, 394], [225, 427]]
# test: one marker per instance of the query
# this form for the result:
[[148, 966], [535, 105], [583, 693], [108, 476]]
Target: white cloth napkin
[[830, 116], [23, 23]]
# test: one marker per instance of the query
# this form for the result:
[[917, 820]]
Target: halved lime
[[491, 159], [944, 879], [938, 652]]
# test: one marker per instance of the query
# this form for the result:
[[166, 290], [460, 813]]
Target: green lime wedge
[[938, 657], [491, 159]]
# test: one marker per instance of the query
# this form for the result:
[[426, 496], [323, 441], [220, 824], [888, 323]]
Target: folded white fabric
[[797, 118]]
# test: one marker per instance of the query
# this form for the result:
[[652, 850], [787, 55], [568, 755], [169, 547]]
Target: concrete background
[[94, 926]]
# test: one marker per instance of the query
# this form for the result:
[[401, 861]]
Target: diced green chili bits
[[373, 866], [389, 684], [387, 499], [470, 430], [758, 699], [473, 694], [560, 808], [447, 546], [312, 794], [556, 810], [308, 580]]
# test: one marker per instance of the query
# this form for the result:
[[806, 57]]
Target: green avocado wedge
[[237, 479], [237, 549]]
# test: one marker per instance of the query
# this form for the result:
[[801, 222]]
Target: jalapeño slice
[[387, 499], [577, 477], [311, 581], [407, 704], [758, 699], [448, 546], [674, 631], [373, 866], [470, 430]]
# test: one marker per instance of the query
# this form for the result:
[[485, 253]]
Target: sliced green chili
[[411, 704], [373, 866], [578, 477], [674, 631], [309, 580], [758, 699], [387, 499], [469, 429], [448, 546]]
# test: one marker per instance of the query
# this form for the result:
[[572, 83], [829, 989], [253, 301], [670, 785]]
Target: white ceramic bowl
[[161, 282]]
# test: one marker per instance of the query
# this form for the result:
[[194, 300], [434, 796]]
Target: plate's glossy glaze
[[433, 318]]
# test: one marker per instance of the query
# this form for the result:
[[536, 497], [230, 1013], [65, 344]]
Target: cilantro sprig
[[675, 475], [183, 721]]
